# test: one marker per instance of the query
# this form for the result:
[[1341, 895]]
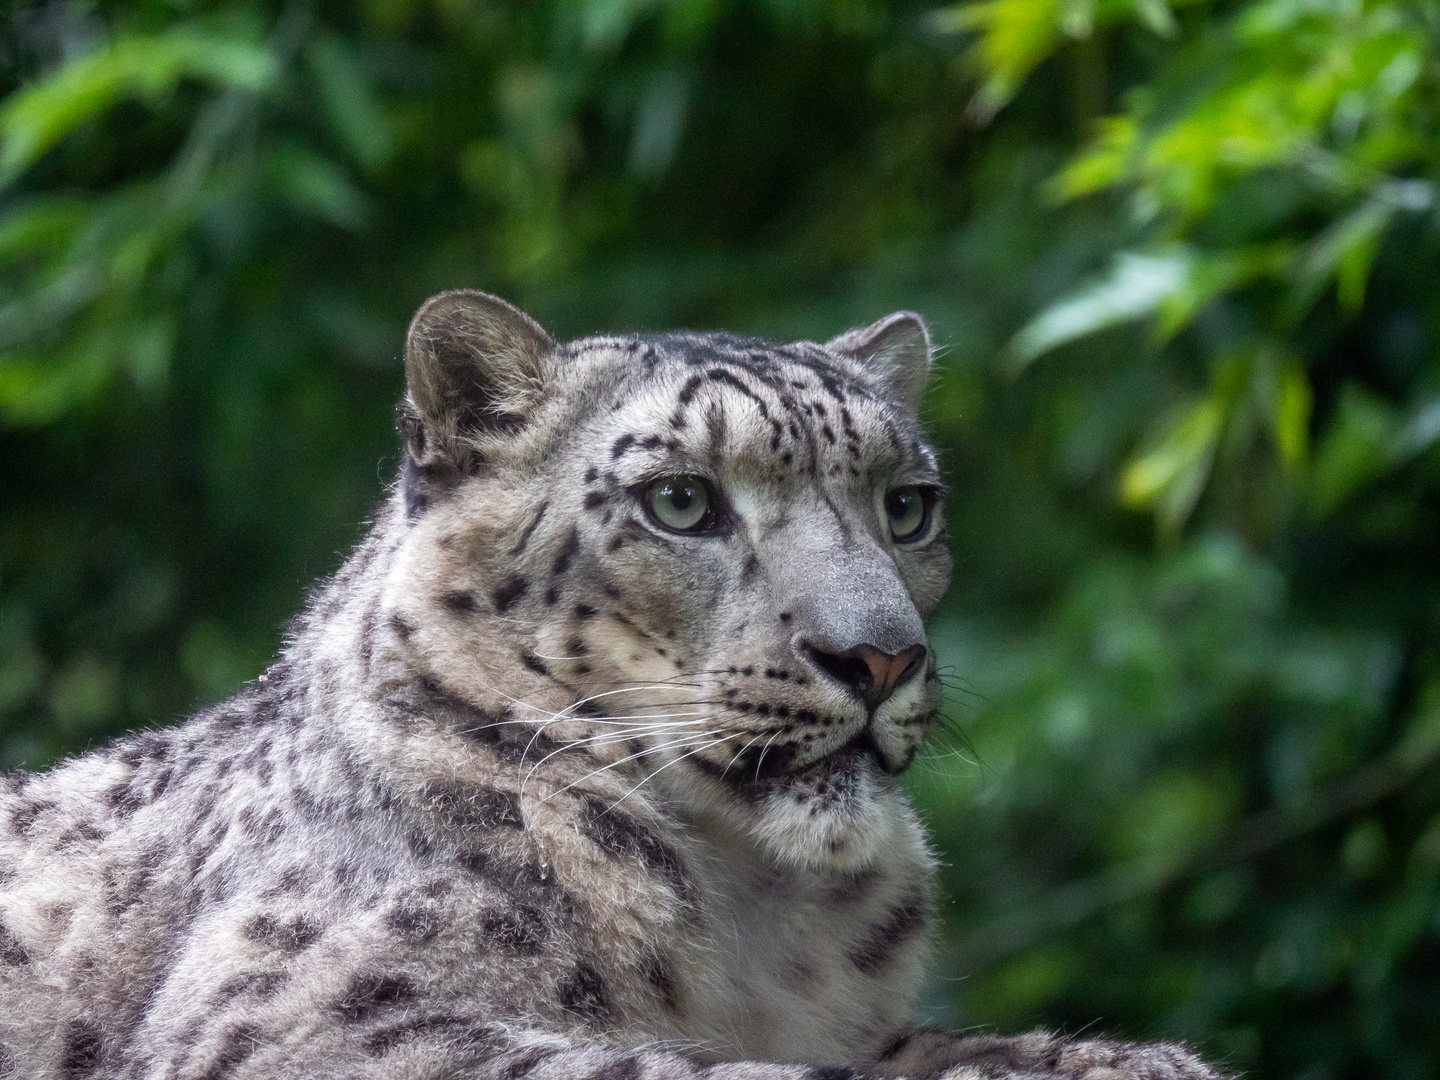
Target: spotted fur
[[537, 787]]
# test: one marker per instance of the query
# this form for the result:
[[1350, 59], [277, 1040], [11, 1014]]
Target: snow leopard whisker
[[736, 756], [662, 768], [618, 720], [607, 737], [763, 751], [685, 740]]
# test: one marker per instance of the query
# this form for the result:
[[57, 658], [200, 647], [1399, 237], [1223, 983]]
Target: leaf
[[1346, 249], [1014, 37], [35, 118], [349, 102], [1172, 474], [1136, 287], [1420, 432], [1356, 449], [1290, 415], [35, 390], [1344, 252], [1157, 16], [1103, 163], [318, 188]]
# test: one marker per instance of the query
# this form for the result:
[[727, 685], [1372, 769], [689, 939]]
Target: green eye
[[908, 511], [681, 503]]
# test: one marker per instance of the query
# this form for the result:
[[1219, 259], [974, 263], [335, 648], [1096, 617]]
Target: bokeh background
[[1182, 262]]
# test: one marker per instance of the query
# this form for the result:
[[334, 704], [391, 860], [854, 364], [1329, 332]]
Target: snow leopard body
[[539, 787]]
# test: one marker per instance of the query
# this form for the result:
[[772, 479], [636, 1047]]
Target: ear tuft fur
[[473, 368], [897, 350]]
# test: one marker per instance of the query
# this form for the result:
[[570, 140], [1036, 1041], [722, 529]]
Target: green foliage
[[1180, 257]]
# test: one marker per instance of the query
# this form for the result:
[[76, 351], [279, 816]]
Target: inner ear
[[473, 368], [897, 350]]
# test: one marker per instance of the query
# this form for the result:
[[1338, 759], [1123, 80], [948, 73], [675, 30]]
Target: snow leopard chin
[[838, 815]]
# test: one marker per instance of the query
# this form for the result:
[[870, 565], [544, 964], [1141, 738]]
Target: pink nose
[[871, 675]]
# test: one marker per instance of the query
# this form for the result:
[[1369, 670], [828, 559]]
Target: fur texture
[[541, 785]]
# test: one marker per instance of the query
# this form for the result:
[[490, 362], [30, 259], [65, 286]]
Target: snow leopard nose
[[869, 674]]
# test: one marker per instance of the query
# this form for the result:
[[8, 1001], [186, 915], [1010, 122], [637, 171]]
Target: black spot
[[623, 443], [509, 740], [897, 1044], [625, 1068], [12, 953], [525, 1062], [508, 592], [521, 931], [576, 646], [881, 941], [852, 888], [412, 479], [258, 984], [414, 923], [583, 993], [83, 1051], [687, 392], [529, 529], [458, 600], [590, 474], [593, 499], [238, 1043], [474, 806], [551, 595], [567, 551], [370, 993], [23, 817], [124, 798], [625, 837], [460, 1034], [785, 616], [400, 626], [661, 978], [584, 611], [651, 442], [288, 935], [534, 663]]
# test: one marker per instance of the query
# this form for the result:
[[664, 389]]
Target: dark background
[[1181, 262]]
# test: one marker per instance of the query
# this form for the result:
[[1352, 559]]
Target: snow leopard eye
[[680, 503], [908, 510]]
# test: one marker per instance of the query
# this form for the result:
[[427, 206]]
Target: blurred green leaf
[[1137, 286], [350, 104], [34, 119]]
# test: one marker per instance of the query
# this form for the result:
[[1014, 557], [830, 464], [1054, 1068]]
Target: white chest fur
[[815, 965]]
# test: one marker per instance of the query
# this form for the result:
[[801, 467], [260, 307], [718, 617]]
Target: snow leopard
[[584, 764]]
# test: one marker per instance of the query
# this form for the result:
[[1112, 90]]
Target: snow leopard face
[[703, 558]]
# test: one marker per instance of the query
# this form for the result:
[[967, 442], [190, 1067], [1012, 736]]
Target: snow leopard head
[[706, 557]]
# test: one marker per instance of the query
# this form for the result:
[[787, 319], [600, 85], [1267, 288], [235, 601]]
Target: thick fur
[[537, 787]]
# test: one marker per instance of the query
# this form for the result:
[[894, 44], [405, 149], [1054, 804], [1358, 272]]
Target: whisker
[[682, 741], [736, 756], [662, 768], [764, 750]]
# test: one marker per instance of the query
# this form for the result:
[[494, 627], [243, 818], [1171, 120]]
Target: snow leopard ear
[[473, 368], [897, 350]]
